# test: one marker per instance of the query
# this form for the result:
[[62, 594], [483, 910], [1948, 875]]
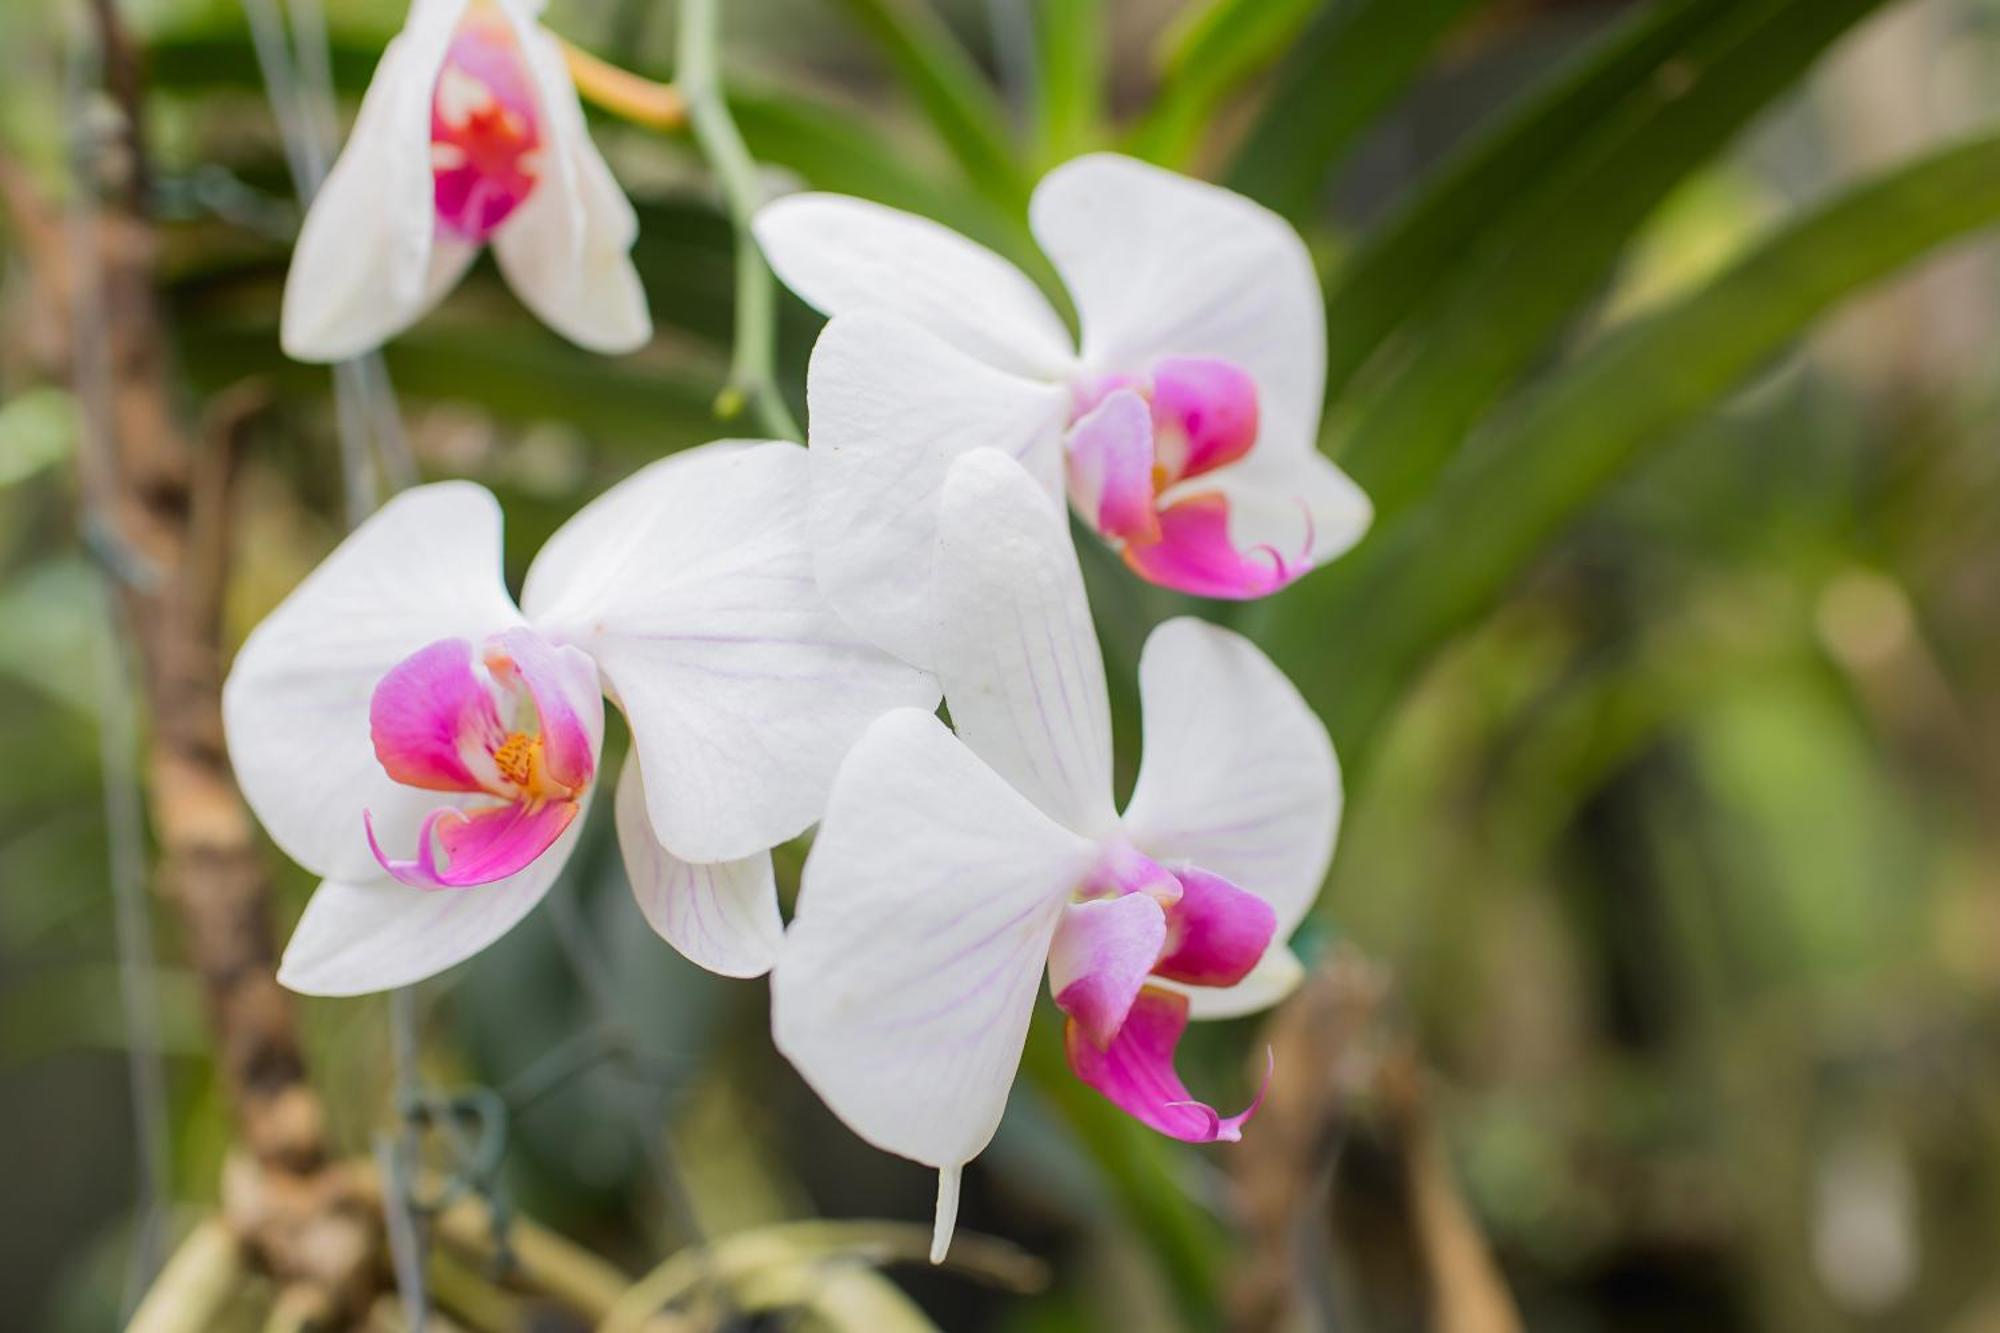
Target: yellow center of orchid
[[519, 759]]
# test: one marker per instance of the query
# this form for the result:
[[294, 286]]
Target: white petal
[[892, 406], [1161, 265], [691, 584], [367, 935], [295, 707], [1277, 974], [842, 254], [1017, 653], [904, 986], [1239, 777], [364, 268], [1302, 506], [946, 1218], [721, 916], [567, 250]]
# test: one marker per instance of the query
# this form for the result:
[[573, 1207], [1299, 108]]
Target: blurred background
[[1657, 981]]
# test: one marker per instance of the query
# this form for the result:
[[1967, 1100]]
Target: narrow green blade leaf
[[1139, 1170], [1536, 267], [1416, 582], [1350, 64], [1424, 243], [1069, 69], [832, 148], [1211, 51], [953, 92]]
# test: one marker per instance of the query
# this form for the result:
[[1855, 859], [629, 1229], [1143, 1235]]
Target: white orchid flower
[[405, 731], [1185, 427], [470, 134], [949, 871]]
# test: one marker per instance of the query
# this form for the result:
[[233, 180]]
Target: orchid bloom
[[1184, 428], [405, 731], [471, 133], [950, 870]]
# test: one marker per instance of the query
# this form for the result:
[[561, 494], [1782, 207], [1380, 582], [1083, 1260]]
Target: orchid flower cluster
[[778, 624]]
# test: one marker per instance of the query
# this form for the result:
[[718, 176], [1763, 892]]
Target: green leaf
[[196, 58], [1415, 583], [1347, 67], [1427, 240], [38, 429], [1140, 1169], [517, 373], [1209, 52], [954, 93], [1534, 268], [833, 148], [1069, 72], [58, 630]]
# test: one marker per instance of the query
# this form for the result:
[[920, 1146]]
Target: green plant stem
[[751, 375]]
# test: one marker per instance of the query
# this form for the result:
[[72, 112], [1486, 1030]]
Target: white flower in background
[[403, 730], [470, 134], [950, 870], [1184, 428]]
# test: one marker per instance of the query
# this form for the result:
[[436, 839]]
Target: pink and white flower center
[[1134, 445], [1133, 923], [486, 127], [507, 722]]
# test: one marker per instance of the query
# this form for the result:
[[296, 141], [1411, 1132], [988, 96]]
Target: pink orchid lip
[[1134, 921], [1111, 467], [486, 127], [505, 727], [1204, 415], [1195, 554], [480, 846], [1216, 932], [1103, 951], [1133, 447], [1135, 1071]]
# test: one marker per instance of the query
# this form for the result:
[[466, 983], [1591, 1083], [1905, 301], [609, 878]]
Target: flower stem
[[751, 378], [628, 96]]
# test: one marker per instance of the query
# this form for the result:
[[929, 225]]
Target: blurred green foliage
[[1668, 682]]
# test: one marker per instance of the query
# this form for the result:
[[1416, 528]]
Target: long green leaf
[[1402, 262], [1537, 267], [1069, 73], [1350, 64], [1211, 51], [519, 373], [1419, 580], [1139, 1168], [954, 93], [833, 148]]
